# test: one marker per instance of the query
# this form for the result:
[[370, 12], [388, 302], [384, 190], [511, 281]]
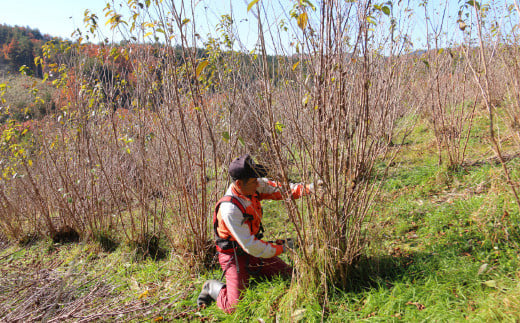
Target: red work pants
[[248, 266]]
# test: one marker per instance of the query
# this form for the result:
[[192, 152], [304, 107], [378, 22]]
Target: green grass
[[443, 246], [24, 96], [438, 252]]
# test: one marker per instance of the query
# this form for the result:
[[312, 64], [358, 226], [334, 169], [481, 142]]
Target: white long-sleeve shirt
[[240, 230]]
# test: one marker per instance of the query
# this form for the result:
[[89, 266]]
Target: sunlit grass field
[[442, 245]]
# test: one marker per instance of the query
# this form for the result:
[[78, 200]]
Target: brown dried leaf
[[419, 306]]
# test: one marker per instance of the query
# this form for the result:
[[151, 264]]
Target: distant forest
[[19, 46]]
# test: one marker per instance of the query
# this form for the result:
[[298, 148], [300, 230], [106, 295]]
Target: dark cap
[[244, 167]]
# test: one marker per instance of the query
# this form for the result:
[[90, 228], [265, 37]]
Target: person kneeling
[[238, 229]]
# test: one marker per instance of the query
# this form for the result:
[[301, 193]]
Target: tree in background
[[19, 46]]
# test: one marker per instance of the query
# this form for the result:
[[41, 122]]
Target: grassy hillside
[[27, 97], [443, 246]]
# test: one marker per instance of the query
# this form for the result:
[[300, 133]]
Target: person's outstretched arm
[[270, 190]]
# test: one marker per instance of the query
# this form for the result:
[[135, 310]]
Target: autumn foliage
[[19, 46]]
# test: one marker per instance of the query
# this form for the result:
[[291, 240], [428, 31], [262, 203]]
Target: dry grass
[[63, 284]]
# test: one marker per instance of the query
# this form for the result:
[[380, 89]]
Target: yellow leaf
[[302, 20], [295, 65], [200, 67], [305, 100], [491, 283], [147, 34], [251, 4], [143, 294]]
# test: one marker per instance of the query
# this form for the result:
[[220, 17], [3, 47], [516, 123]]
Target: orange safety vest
[[225, 242]]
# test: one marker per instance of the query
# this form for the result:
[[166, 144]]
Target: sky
[[62, 17], [54, 17]]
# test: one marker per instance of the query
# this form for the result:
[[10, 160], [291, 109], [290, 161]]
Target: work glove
[[287, 244]]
